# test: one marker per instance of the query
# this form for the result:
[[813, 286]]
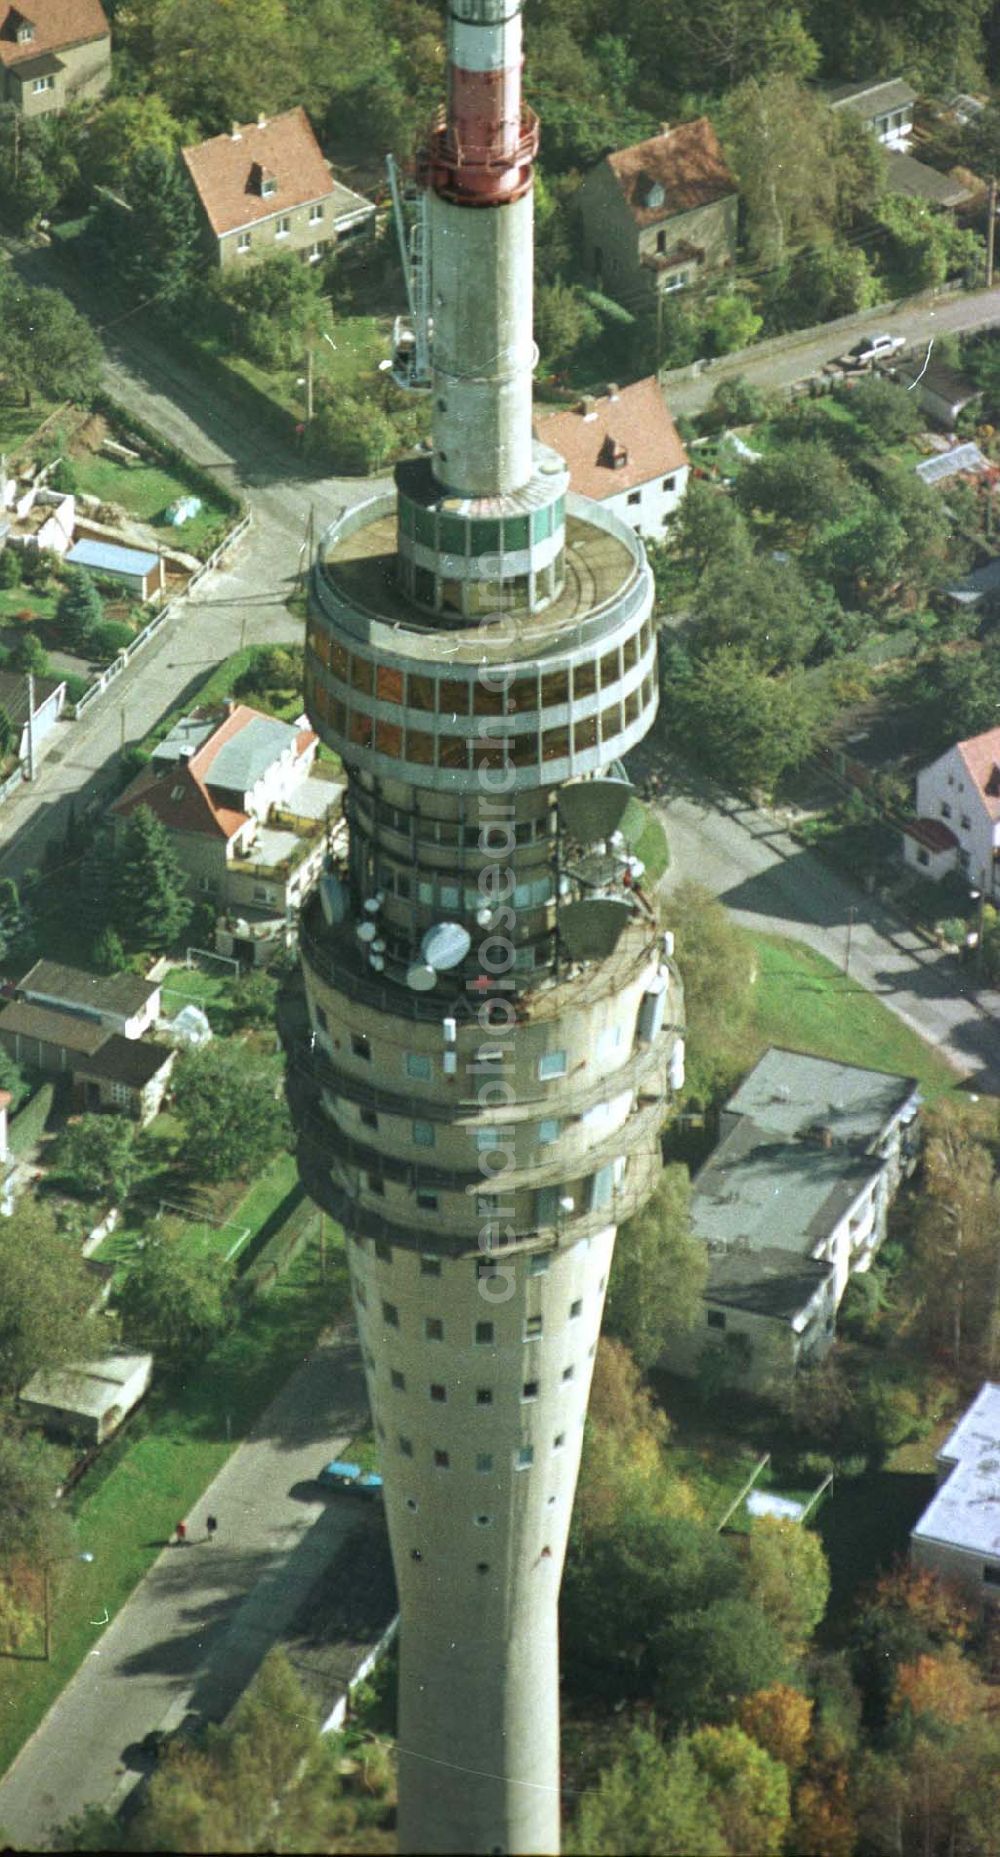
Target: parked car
[[873, 348], [339, 1475]]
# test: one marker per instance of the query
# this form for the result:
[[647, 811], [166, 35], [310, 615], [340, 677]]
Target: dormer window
[[25, 31], [263, 181], [650, 192], [613, 454]]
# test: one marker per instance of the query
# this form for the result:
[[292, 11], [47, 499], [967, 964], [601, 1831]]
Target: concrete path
[[770, 883], [197, 1627], [769, 367]]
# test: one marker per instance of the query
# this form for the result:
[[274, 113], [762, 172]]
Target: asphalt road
[[197, 1627], [241, 603], [770, 366], [770, 883]]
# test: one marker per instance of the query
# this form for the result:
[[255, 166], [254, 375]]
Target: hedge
[[179, 461], [28, 1126]]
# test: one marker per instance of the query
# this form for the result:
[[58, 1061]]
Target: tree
[[45, 345], [107, 953], [653, 1800], [172, 1301], [14, 1081], [254, 999], [233, 1116], [748, 1788], [97, 1155], [788, 1576], [45, 1295], [658, 1272], [711, 1656], [777, 136], [150, 234], [802, 486], [732, 322], [747, 726], [758, 605], [27, 1525], [15, 922], [905, 1614], [923, 247], [121, 128], [275, 310], [955, 1250], [887, 412], [151, 906], [563, 320], [28, 654], [779, 1719], [709, 527], [80, 609], [817, 283], [718, 968]]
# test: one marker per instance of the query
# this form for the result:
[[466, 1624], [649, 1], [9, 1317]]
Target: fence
[[158, 621], [13, 781]]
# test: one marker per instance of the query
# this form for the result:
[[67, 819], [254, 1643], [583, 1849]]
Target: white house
[[624, 451], [957, 827], [958, 1534], [885, 107]]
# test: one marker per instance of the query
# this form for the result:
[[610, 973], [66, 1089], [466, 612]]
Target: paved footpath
[[198, 1625]]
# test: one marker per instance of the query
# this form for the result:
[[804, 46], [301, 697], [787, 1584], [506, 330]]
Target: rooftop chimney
[[613, 390], [588, 407], [235, 134], [262, 121]]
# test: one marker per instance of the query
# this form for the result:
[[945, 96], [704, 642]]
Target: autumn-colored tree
[[940, 1691], [823, 1821], [908, 1612], [749, 1790], [778, 1719], [957, 1259], [658, 1271], [652, 1800]]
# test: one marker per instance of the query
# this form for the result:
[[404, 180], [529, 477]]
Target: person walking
[[181, 1533], [211, 1524]]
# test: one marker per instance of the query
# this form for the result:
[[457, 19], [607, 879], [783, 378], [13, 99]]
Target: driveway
[[200, 1622], [770, 883], [243, 602], [771, 365]]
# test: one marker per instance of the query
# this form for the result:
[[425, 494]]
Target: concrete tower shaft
[[496, 1018], [478, 166]]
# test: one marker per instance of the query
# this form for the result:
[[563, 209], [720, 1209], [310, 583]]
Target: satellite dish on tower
[[420, 978], [590, 930], [593, 809], [367, 931], [445, 945]]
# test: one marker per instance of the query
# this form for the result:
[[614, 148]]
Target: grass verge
[[145, 491], [801, 1000], [193, 1422]]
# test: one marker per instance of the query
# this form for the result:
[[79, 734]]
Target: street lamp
[[47, 1593]]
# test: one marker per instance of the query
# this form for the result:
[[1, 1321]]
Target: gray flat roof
[[246, 756], [757, 1191], [789, 1093], [873, 97], [185, 736], [768, 1282], [123, 994], [90, 1387], [905, 174], [965, 1512]]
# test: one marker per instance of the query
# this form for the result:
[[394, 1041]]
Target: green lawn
[[209, 989], [804, 1002], [361, 342], [193, 1425], [145, 491], [17, 600], [18, 423]]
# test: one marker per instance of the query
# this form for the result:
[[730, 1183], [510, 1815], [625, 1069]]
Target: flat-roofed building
[[958, 1534]]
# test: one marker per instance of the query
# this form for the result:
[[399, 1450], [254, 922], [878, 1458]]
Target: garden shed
[[137, 570], [88, 1400]]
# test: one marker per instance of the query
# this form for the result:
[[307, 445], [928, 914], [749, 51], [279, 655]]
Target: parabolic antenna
[[367, 931], [420, 977], [593, 809], [590, 930], [445, 945]]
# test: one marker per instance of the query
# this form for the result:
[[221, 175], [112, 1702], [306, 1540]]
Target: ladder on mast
[[411, 335]]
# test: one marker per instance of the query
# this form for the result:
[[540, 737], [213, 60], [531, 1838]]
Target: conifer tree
[[151, 906]]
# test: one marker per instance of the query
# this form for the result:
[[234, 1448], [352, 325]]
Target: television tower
[[496, 1015]]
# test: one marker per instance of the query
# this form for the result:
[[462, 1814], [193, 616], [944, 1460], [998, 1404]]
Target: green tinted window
[[484, 538], [451, 534], [541, 524], [405, 518], [423, 526], [516, 532]]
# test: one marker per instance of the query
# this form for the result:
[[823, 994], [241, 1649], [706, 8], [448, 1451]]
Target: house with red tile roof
[[957, 827], [53, 53], [267, 188], [623, 450], [247, 812], [660, 216]]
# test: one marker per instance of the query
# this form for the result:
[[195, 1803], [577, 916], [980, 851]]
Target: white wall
[[946, 791], [649, 514]]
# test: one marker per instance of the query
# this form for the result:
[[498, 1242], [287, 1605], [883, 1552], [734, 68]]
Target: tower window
[[418, 1065], [429, 1266], [552, 1064], [368, 1118], [525, 1457], [383, 1251], [412, 1504], [434, 1328], [483, 1521], [484, 1333], [533, 1326], [423, 1134], [415, 1554], [529, 1389], [482, 1566], [484, 1462], [361, 1046], [539, 1263], [428, 1202], [567, 1374], [576, 1308], [715, 1318], [559, 1440], [405, 1446], [390, 1314], [398, 1380], [439, 1393], [441, 1460], [484, 1395]]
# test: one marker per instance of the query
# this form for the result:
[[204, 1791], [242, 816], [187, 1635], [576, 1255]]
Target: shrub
[[108, 638], [64, 477], [10, 567]]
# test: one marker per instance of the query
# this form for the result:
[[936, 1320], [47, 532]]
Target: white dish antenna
[[367, 931], [445, 945], [420, 977]]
